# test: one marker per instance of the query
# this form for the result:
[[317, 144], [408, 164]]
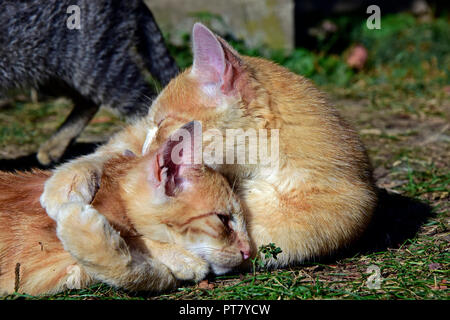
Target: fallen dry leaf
[[203, 284], [434, 266], [206, 285]]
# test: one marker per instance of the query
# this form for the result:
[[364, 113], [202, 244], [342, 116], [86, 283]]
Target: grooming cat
[[318, 199], [97, 64], [169, 221]]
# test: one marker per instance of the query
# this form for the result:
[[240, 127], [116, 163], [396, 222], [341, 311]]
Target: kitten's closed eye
[[224, 218]]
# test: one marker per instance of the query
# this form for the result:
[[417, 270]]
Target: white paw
[[80, 227], [58, 191], [187, 268], [74, 277], [81, 216], [52, 211], [88, 236]]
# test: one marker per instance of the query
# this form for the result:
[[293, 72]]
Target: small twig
[[17, 281], [435, 136]]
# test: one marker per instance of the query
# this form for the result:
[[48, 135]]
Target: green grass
[[429, 181], [33, 116], [417, 270]]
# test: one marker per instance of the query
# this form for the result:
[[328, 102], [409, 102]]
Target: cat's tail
[[152, 48]]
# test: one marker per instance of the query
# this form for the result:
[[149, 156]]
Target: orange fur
[[321, 197], [28, 236]]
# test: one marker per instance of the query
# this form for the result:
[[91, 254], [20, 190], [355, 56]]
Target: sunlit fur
[[126, 198], [319, 199], [321, 196]]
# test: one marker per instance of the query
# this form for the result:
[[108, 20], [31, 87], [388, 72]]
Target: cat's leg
[[101, 251], [77, 180], [183, 264], [153, 49], [82, 112]]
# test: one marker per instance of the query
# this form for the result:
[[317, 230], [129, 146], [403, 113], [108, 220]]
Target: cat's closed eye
[[225, 219]]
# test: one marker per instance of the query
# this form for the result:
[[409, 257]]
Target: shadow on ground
[[28, 162], [396, 219]]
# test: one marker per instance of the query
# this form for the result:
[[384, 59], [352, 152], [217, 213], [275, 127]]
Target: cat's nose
[[244, 246], [245, 254]]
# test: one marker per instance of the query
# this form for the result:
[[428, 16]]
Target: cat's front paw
[[186, 267], [80, 218], [69, 186], [182, 264], [190, 270], [88, 236], [77, 278]]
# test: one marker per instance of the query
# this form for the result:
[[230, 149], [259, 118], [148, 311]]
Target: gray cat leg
[[53, 149]]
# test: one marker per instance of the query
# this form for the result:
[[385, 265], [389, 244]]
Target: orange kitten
[[175, 222], [320, 195]]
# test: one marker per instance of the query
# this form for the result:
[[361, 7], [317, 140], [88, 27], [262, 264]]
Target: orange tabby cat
[[320, 196], [174, 220]]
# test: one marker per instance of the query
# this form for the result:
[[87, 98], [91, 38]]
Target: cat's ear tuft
[[216, 63]]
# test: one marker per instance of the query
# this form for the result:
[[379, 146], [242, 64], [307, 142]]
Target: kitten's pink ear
[[215, 62], [174, 160]]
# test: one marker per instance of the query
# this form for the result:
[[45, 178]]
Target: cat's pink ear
[[215, 62], [174, 160]]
